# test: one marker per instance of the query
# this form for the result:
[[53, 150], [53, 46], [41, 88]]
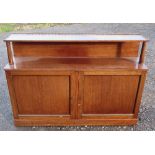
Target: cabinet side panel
[[42, 94], [110, 94]]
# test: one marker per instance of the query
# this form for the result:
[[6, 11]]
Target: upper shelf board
[[73, 38]]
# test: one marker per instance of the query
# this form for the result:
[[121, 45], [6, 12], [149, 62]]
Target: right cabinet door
[[109, 94]]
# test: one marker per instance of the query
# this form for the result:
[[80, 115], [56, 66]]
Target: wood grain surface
[[109, 94], [74, 49], [42, 94]]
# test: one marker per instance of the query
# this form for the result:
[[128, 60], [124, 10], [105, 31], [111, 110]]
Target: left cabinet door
[[41, 94]]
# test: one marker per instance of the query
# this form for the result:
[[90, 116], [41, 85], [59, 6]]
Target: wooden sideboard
[[75, 79]]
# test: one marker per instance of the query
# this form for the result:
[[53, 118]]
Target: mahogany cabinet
[[75, 79]]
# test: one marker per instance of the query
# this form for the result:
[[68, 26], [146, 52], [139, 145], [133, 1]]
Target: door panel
[[42, 94], [109, 94]]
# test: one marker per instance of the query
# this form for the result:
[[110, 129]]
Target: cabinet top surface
[[72, 38], [79, 64]]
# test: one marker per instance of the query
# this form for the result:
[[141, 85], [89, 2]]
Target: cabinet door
[[42, 94], [109, 94]]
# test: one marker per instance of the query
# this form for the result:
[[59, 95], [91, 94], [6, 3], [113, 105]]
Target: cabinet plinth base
[[71, 122]]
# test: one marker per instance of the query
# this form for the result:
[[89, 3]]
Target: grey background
[[147, 109]]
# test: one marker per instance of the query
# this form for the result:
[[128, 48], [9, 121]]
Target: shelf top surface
[[27, 37], [75, 63]]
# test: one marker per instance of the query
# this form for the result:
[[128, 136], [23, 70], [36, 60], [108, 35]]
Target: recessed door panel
[[109, 94], [42, 94]]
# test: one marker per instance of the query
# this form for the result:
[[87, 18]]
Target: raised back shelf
[[74, 46]]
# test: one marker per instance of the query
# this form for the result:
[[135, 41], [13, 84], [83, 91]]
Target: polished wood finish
[[10, 52], [108, 94], [88, 49], [50, 121], [75, 79], [141, 59], [12, 95], [139, 94], [75, 63], [43, 97]]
